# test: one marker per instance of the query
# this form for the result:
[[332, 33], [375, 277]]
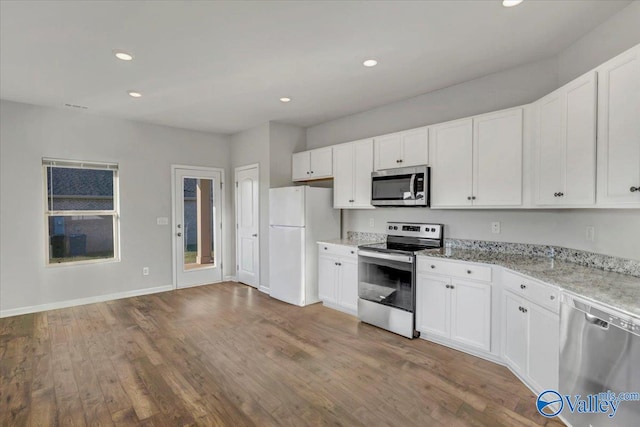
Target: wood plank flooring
[[228, 355]]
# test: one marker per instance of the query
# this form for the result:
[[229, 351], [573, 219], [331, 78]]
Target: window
[[81, 211]]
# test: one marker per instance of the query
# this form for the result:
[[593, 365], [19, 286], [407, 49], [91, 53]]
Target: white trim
[[235, 217], [174, 263], [264, 289], [230, 279], [83, 301]]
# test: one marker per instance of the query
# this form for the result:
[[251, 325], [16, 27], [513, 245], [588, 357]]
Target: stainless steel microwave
[[400, 187]]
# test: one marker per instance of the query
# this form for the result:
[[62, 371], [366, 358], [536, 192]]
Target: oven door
[[387, 279]]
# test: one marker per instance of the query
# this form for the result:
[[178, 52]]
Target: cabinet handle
[[555, 194], [353, 252], [448, 286], [552, 297], [307, 172], [325, 248], [523, 286], [469, 271], [473, 197], [560, 194], [311, 172], [339, 264], [524, 310], [254, 235], [433, 266], [351, 201], [451, 286], [634, 189], [469, 198]]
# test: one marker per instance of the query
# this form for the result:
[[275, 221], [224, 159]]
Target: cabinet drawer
[[533, 290], [461, 270], [339, 250]]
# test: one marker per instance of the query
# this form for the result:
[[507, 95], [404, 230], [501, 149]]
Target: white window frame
[[115, 213]]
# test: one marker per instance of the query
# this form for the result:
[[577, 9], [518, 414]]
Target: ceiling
[[222, 66]]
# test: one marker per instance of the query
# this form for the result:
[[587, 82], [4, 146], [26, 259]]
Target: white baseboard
[[83, 301], [230, 278], [264, 289]]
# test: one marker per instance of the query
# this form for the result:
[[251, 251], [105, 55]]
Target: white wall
[[144, 153], [249, 147], [613, 36], [616, 230]]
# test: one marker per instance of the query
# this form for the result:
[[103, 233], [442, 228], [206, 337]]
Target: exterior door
[[248, 225], [197, 224]]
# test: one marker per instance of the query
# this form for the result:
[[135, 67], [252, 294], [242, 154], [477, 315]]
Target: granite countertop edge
[[353, 243]]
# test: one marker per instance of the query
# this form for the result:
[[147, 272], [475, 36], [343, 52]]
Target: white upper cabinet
[[312, 164], [619, 130], [477, 161], [564, 147], [352, 167], [452, 163], [402, 149], [497, 159]]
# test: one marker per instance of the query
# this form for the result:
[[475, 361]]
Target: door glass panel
[[391, 187], [199, 223], [386, 282]]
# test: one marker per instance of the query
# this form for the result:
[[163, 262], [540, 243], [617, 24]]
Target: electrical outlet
[[495, 227], [371, 223], [590, 233], [145, 271]]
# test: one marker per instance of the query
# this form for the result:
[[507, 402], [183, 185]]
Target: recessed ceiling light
[[285, 99], [370, 63], [511, 3], [122, 55], [134, 94]]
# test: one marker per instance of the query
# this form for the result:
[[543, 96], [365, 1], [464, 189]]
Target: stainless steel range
[[387, 276]]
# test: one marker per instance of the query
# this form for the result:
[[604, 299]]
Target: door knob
[[179, 234]]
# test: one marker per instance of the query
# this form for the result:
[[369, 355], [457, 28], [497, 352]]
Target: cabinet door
[[415, 147], [343, 175], [619, 130], [388, 152], [363, 166], [433, 298], [544, 348], [471, 313], [580, 142], [348, 284], [300, 166], [549, 158], [451, 163], [515, 333], [497, 159], [322, 162], [327, 278]]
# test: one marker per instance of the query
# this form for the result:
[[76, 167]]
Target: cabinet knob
[[469, 271], [560, 194], [634, 189], [552, 297], [312, 172], [351, 201], [451, 286], [307, 172], [473, 197], [433, 266], [524, 310], [523, 286], [353, 252], [325, 248], [448, 286], [555, 194], [469, 198], [339, 264]]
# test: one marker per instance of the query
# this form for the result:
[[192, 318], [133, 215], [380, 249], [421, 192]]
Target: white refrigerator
[[298, 218]]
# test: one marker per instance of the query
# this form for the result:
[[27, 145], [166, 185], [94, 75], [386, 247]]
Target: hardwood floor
[[227, 354]]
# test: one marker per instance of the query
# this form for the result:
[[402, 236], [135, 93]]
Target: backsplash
[[588, 259]]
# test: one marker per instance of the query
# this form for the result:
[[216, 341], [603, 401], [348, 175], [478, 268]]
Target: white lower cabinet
[[531, 340], [454, 309], [338, 277]]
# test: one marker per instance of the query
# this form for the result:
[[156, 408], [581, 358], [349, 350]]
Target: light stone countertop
[[617, 290], [354, 243]]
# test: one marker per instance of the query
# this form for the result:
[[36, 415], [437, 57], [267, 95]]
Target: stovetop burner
[[408, 238]]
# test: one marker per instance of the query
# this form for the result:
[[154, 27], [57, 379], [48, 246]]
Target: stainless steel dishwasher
[[599, 352]]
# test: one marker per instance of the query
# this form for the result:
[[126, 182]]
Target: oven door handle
[[391, 257]]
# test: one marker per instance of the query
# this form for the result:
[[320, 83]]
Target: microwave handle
[[412, 186]]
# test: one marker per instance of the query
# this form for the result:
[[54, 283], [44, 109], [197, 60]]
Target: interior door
[[248, 225], [197, 226]]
